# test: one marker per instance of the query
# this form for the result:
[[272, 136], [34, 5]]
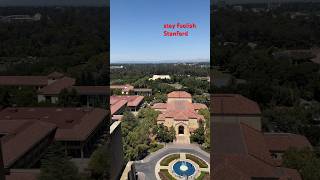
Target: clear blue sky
[[137, 30]]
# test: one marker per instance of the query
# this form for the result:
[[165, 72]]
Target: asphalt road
[[148, 164]]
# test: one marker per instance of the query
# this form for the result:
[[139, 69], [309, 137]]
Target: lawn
[[168, 159], [203, 176], [197, 160], [165, 175]]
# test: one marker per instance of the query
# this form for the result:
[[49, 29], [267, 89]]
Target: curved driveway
[[148, 164]]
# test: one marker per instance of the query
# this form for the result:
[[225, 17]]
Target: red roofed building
[[33, 81], [244, 153], [118, 104], [180, 112], [51, 91], [133, 102], [278, 143], [125, 89], [180, 96], [78, 129], [24, 141], [235, 108], [118, 107]]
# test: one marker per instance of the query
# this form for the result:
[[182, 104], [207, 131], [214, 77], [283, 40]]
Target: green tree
[[198, 135], [164, 134], [206, 115], [57, 166], [305, 161], [100, 162]]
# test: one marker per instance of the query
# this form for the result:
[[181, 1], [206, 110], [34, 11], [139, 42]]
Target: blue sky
[[137, 30]]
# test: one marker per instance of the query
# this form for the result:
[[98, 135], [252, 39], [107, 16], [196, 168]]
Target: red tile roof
[[233, 104], [280, 142], [242, 152], [56, 87], [179, 110], [160, 106], [73, 123], [91, 90], [179, 94], [133, 101], [115, 106], [23, 80], [255, 144], [239, 167], [82, 130], [21, 136]]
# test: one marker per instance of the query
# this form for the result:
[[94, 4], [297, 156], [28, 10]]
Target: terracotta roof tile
[[233, 104], [132, 100], [91, 90], [179, 110], [56, 87], [241, 152], [179, 94], [72, 123], [160, 106], [282, 141], [21, 136], [115, 106], [255, 144], [233, 166]]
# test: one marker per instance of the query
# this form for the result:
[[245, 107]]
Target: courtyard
[[179, 155]]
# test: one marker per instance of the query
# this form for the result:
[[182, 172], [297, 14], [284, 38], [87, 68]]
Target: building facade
[[179, 112]]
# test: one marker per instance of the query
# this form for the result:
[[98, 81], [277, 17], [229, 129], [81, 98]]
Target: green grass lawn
[[165, 175], [203, 176], [168, 159], [197, 160]]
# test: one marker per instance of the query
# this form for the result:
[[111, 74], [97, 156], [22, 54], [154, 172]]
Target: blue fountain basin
[[183, 168]]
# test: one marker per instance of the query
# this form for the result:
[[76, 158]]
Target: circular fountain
[[184, 168]]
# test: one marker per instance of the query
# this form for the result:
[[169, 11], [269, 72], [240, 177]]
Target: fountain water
[[183, 166], [184, 169]]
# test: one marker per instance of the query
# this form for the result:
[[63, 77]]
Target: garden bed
[[200, 162], [168, 159], [165, 175], [203, 176]]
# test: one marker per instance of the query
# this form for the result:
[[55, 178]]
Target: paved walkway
[[148, 164], [182, 139]]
